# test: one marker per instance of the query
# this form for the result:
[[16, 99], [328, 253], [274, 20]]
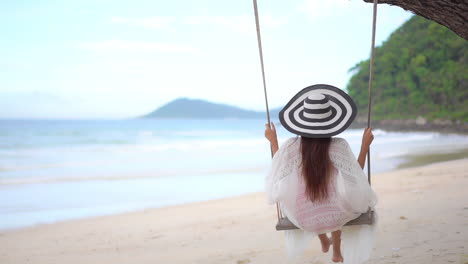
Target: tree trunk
[[450, 13]]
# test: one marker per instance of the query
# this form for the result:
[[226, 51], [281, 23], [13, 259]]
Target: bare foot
[[325, 241], [337, 258], [325, 245], [336, 238]]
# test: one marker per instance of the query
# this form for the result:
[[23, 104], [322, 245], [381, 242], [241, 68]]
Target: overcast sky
[[117, 59]]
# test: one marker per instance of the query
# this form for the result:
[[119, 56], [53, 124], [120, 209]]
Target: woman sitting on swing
[[316, 178]]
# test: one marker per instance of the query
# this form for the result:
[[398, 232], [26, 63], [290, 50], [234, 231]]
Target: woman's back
[[335, 189], [347, 183]]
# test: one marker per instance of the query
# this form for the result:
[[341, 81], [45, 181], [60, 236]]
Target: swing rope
[[259, 40], [260, 51], [371, 77]]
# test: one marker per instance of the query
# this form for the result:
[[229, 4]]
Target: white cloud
[[243, 24], [324, 8], [239, 23], [119, 20], [154, 22], [271, 21], [136, 46]]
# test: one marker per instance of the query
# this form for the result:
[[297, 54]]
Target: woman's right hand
[[367, 138]]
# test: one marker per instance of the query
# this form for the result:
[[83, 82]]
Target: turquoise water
[[57, 170]]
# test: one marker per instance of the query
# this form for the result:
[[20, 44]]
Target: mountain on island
[[420, 70], [196, 108]]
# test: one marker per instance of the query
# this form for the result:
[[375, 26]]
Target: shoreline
[[413, 205], [417, 160], [411, 161], [414, 125]]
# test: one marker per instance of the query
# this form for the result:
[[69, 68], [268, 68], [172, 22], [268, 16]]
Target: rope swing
[[365, 218]]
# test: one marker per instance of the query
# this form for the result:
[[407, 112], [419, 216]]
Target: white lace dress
[[349, 196]]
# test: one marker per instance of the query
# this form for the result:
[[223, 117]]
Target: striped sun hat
[[318, 111]]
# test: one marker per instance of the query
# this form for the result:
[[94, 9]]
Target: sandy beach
[[423, 218]]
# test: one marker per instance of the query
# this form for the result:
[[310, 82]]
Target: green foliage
[[422, 69]]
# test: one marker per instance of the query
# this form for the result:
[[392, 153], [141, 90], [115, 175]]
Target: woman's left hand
[[270, 134]]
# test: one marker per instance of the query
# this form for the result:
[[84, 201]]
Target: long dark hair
[[317, 167]]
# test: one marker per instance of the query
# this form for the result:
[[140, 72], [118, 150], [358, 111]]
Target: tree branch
[[452, 14]]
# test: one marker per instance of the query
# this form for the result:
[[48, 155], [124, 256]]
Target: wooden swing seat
[[366, 218]]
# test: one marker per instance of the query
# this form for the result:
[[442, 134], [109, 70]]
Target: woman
[[316, 178]]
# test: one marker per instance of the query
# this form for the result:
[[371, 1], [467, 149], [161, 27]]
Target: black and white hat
[[318, 111]]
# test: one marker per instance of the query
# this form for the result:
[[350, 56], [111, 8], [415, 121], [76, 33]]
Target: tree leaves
[[422, 69]]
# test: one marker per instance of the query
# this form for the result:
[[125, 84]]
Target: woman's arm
[[270, 134], [367, 139]]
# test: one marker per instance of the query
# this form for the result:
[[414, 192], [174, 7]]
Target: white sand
[[423, 219]]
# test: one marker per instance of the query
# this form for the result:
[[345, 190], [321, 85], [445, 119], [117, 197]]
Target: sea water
[[57, 170]]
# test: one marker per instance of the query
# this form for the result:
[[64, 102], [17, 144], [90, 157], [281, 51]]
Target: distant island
[[201, 109]]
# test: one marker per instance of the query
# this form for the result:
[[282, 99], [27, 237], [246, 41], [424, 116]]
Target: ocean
[[57, 170]]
